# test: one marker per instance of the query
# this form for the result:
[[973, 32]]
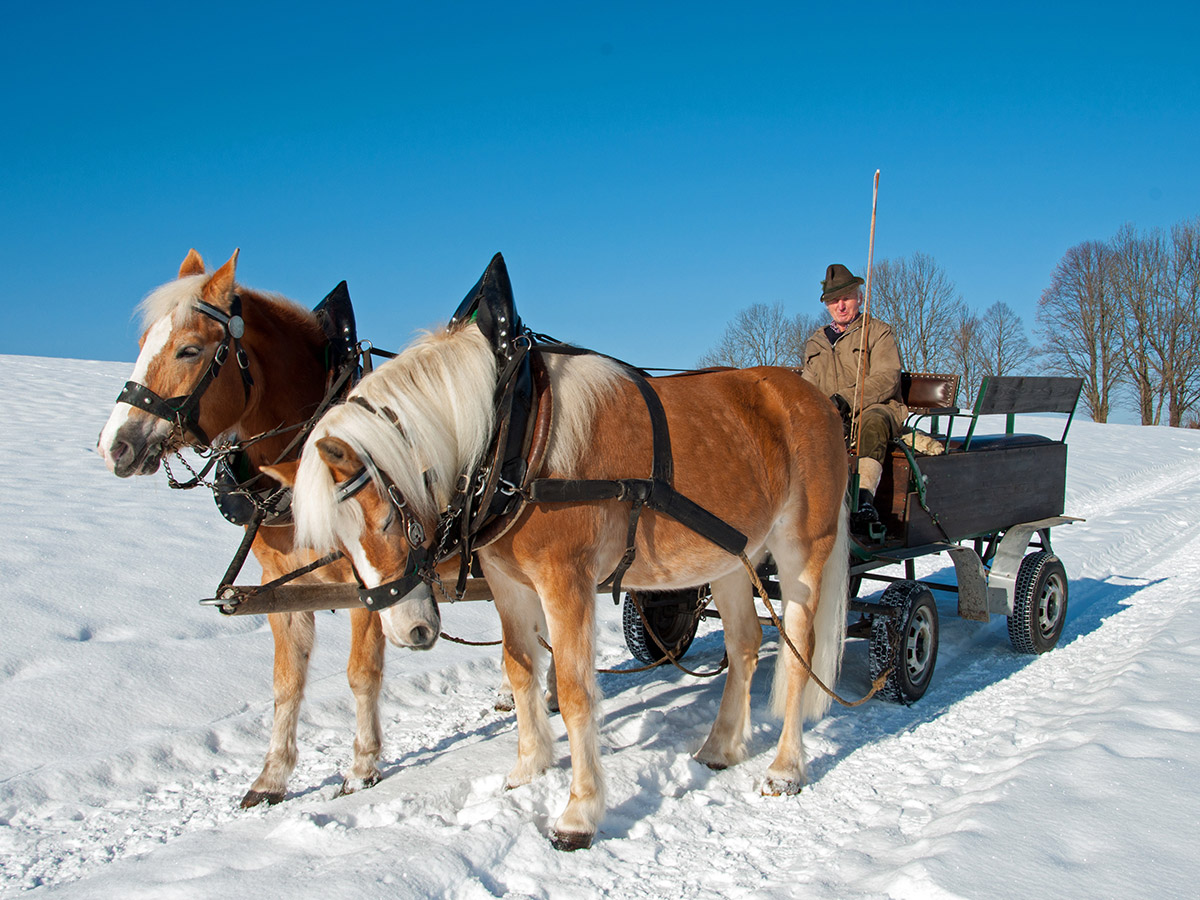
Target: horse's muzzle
[[132, 450]]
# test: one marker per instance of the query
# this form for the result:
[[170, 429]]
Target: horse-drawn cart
[[988, 501]]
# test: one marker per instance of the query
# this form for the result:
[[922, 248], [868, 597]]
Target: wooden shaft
[[251, 601]]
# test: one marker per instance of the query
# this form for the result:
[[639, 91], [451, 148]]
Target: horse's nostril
[[421, 636], [121, 456]]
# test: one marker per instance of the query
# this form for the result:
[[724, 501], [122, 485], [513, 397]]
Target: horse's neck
[[290, 377]]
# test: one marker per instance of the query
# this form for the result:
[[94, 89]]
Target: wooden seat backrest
[[1005, 395], [1008, 395]]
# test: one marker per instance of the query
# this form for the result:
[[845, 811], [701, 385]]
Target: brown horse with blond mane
[[250, 364], [759, 448]]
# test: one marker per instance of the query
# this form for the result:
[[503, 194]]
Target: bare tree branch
[[1079, 323], [762, 335]]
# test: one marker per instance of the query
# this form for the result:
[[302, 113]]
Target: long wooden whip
[[860, 378]]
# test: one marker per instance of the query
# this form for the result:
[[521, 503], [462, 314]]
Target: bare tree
[[963, 342], [1182, 343], [762, 335], [1079, 323], [1004, 348], [918, 299], [1138, 268]]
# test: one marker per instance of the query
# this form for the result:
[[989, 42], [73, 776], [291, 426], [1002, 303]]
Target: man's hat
[[838, 282]]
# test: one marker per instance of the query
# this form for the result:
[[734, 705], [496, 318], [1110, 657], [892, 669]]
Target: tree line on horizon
[[1122, 314]]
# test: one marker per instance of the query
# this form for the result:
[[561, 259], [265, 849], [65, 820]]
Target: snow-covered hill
[[132, 720]]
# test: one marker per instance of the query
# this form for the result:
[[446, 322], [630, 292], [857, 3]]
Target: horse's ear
[[339, 456], [220, 285], [192, 264], [284, 473]]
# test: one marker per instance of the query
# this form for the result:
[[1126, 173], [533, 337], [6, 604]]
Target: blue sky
[[646, 169]]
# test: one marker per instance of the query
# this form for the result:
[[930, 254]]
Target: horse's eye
[[189, 352]]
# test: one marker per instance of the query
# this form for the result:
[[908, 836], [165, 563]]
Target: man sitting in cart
[[831, 363]]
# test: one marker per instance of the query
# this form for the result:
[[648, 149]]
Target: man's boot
[[864, 521]]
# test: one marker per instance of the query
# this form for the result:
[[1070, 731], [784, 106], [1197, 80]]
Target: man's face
[[843, 309]]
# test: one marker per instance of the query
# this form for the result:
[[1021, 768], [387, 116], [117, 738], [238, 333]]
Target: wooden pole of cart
[[860, 380]]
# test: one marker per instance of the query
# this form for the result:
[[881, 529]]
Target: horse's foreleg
[[521, 620], [571, 612], [726, 744], [294, 634], [365, 673]]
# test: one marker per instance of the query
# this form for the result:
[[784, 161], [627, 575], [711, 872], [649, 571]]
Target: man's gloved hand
[[843, 408]]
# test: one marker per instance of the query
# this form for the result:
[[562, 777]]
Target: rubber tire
[[1039, 603], [674, 624], [915, 655]]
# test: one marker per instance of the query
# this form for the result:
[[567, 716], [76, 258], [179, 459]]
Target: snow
[[132, 719]]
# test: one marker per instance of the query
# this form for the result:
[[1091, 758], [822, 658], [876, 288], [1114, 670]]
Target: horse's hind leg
[[365, 673], [726, 744], [294, 635], [504, 695], [814, 620]]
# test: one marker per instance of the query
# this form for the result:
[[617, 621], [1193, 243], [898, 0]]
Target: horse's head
[[344, 501], [180, 392]]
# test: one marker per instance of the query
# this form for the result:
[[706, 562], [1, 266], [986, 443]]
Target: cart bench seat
[[1000, 442], [982, 484]]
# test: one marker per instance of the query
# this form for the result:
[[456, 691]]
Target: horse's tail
[[829, 631], [829, 627]]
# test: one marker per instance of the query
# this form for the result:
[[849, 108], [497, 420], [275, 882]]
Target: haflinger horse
[[760, 448], [239, 363]]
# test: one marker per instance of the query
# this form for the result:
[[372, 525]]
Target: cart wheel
[[673, 615], [1039, 603], [906, 643]]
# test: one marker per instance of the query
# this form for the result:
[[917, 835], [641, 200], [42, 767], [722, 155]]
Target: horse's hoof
[[781, 787], [255, 798], [505, 703], [570, 840], [350, 785]]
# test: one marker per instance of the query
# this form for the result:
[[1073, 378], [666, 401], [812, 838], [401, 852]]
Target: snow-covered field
[[132, 720]]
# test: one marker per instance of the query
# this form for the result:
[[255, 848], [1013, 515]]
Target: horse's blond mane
[[439, 392]]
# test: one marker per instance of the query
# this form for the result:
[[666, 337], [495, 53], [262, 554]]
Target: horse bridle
[[419, 566], [183, 411]]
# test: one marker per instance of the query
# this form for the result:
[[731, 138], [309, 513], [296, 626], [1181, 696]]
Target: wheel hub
[[917, 645]]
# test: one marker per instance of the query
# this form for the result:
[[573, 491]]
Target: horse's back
[[747, 444]]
